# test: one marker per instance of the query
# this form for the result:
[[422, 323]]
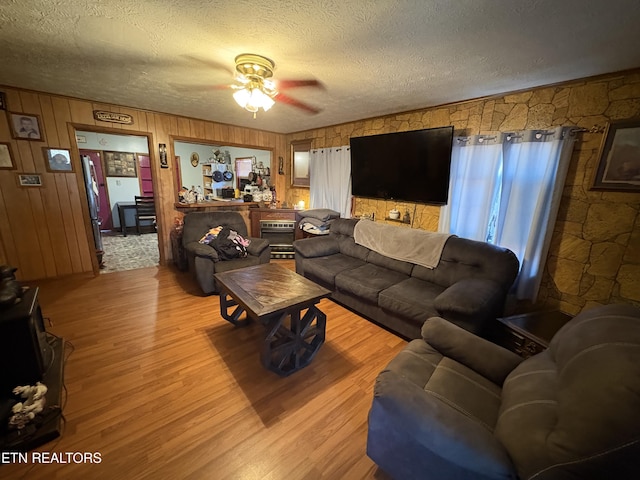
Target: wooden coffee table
[[285, 303]]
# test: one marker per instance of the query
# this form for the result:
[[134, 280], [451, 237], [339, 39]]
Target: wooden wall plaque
[[113, 117]]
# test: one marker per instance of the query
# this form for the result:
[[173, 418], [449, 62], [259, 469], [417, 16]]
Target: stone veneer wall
[[594, 256]]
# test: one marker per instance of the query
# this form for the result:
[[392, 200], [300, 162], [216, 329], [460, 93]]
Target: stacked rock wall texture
[[594, 256]]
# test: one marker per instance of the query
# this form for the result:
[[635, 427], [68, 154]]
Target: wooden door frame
[[72, 128]]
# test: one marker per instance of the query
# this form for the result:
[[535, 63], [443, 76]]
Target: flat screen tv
[[410, 166]]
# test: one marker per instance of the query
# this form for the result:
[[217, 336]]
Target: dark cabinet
[[529, 333]]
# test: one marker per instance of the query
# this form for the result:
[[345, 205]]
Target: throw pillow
[[211, 235]]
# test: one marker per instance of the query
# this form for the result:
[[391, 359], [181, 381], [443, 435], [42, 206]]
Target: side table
[[529, 333]]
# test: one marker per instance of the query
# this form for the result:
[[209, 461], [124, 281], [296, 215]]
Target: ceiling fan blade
[[282, 98], [284, 84], [198, 88]]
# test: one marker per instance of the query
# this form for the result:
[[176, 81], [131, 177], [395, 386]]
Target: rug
[[130, 252]]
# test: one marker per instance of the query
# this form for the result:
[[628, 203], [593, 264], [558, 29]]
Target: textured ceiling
[[374, 57]]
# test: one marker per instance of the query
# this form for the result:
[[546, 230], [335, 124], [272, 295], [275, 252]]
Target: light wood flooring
[[164, 388]]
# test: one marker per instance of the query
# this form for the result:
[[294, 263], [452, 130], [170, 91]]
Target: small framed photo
[[57, 159], [29, 179], [25, 126], [6, 157], [619, 165]]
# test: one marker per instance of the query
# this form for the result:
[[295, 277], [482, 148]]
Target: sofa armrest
[[480, 355], [257, 246], [202, 250], [469, 297], [426, 419], [316, 247]]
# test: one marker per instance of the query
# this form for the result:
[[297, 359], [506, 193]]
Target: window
[[506, 189]]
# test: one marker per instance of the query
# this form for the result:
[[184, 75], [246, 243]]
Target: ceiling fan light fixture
[[261, 99], [241, 97], [249, 64], [252, 98], [255, 91]]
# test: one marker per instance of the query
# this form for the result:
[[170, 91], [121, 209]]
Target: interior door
[[106, 222], [146, 184]]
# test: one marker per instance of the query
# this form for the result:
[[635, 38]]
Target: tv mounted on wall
[[410, 166]]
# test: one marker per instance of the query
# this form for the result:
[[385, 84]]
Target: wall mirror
[[300, 152], [211, 167]]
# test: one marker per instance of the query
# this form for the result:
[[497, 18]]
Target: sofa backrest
[[196, 224], [461, 258], [342, 231], [464, 258], [573, 411]]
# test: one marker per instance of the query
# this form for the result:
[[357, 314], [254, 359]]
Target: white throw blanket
[[406, 244]]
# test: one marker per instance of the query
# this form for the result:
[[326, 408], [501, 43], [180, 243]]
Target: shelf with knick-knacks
[[394, 216], [261, 170], [207, 179]]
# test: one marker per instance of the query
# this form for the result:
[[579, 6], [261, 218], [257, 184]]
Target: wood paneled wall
[[45, 232]]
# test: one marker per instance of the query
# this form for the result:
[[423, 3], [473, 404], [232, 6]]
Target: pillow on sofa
[[211, 235]]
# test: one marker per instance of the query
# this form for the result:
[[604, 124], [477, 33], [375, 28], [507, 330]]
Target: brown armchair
[[204, 260]]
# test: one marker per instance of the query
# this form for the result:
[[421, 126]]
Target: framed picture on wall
[[6, 157], [57, 159], [29, 179], [619, 165], [120, 164], [26, 126]]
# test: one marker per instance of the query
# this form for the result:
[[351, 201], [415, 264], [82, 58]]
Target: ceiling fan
[[254, 87]]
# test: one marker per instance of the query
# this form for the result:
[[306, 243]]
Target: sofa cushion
[[412, 298], [480, 296], [464, 258], [482, 356], [348, 246], [390, 263], [451, 382], [367, 281], [344, 226], [326, 268]]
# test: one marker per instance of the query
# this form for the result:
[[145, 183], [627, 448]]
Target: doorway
[[117, 169]]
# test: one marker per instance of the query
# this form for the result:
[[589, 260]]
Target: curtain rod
[[593, 129], [573, 131], [329, 148]]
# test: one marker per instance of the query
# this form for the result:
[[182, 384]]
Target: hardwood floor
[[164, 388]]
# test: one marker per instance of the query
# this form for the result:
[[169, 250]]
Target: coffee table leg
[[288, 349], [227, 302]]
